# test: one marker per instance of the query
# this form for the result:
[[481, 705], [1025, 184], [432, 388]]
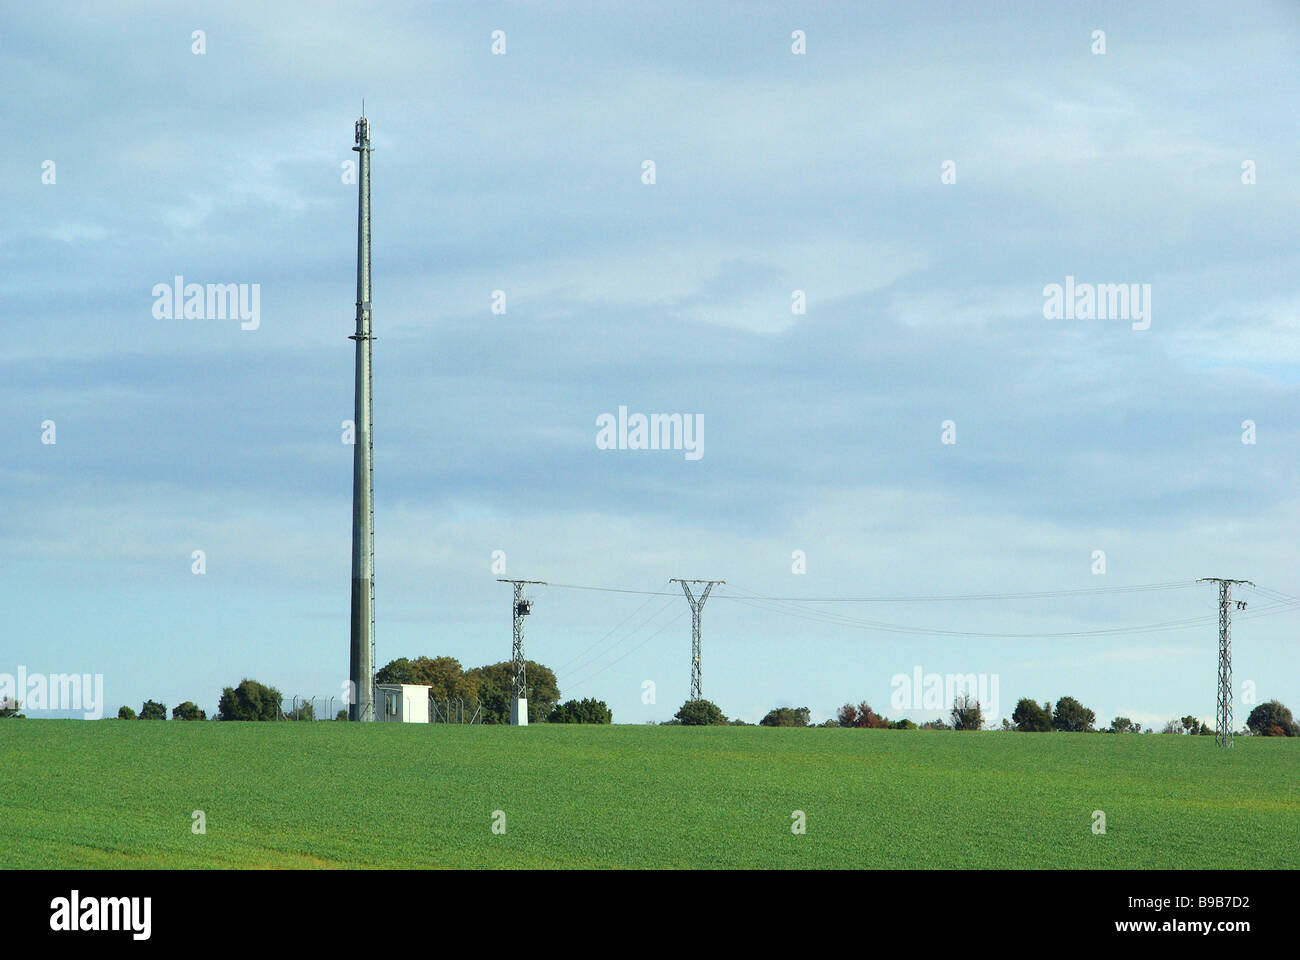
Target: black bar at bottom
[[1003, 908]]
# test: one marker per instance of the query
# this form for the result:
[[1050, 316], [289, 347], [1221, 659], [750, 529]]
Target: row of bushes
[[153, 710], [248, 701], [1270, 719]]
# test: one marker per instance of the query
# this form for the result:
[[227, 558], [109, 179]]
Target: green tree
[[700, 713], [125, 713], [903, 724], [400, 670], [305, 710], [581, 711], [1071, 716], [1029, 717], [1272, 719], [966, 713], [444, 677], [188, 711], [860, 716], [1124, 725], [935, 725], [249, 701], [342, 714], [153, 710], [787, 717], [495, 683]]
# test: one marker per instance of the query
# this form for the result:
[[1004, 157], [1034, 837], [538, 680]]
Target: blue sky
[[775, 172]]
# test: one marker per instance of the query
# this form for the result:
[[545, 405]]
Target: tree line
[[491, 686], [1068, 715]]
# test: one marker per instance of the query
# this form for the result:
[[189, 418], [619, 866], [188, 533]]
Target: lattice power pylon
[[1223, 705], [697, 604], [519, 687]]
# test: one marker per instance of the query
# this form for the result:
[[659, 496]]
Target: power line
[[825, 616], [1275, 594], [1267, 610], [607, 635], [591, 676], [1276, 602], [1037, 595], [1280, 603], [576, 663], [644, 593]]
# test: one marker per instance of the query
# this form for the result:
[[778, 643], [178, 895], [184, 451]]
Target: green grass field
[[121, 794]]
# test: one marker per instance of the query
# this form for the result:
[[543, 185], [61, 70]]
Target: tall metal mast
[[697, 604], [362, 672], [1223, 703], [519, 687]]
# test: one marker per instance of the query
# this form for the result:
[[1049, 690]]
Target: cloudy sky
[[135, 159]]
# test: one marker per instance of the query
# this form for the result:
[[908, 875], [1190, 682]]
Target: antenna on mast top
[[362, 128]]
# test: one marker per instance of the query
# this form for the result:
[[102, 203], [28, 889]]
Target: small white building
[[402, 702]]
